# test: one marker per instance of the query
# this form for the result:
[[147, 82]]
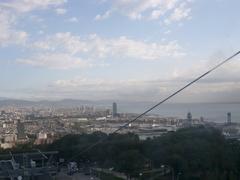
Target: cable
[[158, 104]]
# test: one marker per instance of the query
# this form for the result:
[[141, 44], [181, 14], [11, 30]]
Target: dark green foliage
[[131, 162], [105, 176], [197, 153]]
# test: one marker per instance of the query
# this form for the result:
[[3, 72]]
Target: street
[[77, 176]]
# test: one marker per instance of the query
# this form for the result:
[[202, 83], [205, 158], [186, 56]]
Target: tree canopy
[[195, 153]]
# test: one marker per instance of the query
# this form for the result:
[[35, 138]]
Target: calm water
[[210, 111]]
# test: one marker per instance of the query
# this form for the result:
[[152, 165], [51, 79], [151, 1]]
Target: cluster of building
[[12, 133], [43, 126]]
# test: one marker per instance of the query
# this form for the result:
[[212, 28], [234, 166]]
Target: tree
[[131, 162]]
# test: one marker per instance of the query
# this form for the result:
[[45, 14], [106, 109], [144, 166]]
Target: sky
[[129, 50]]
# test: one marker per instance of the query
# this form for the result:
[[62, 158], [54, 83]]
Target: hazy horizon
[[117, 101]]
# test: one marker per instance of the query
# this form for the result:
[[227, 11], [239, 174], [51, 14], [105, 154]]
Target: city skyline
[[118, 50]]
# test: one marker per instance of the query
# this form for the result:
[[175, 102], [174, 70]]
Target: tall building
[[189, 118], [114, 109], [229, 118], [20, 131]]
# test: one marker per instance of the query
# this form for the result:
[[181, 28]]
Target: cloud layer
[[8, 33], [30, 5], [167, 10], [93, 49], [222, 85], [12, 10]]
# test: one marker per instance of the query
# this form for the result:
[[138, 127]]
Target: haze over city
[[118, 50]]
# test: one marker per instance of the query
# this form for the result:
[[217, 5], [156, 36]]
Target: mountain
[[68, 103], [61, 103]]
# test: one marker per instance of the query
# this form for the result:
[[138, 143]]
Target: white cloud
[[61, 11], [30, 5], [103, 48], [144, 90], [101, 83], [66, 51], [99, 88], [8, 34], [150, 9], [179, 13], [156, 14], [73, 19], [103, 16], [227, 73], [214, 88], [64, 42], [10, 11], [222, 85], [55, 61]]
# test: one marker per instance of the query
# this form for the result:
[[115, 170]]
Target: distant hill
[[3, 98], [68, 103], [45, 103]]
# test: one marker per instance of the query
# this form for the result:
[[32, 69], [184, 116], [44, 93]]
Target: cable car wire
[[158, 104]]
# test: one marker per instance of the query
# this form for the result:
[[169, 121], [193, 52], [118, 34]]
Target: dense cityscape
[[41, 127], [45, 125]]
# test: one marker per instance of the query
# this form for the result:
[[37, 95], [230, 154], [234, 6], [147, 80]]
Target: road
[[80, 176], [77, 176]]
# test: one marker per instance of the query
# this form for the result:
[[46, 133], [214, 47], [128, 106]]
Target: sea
[[213, 112]]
